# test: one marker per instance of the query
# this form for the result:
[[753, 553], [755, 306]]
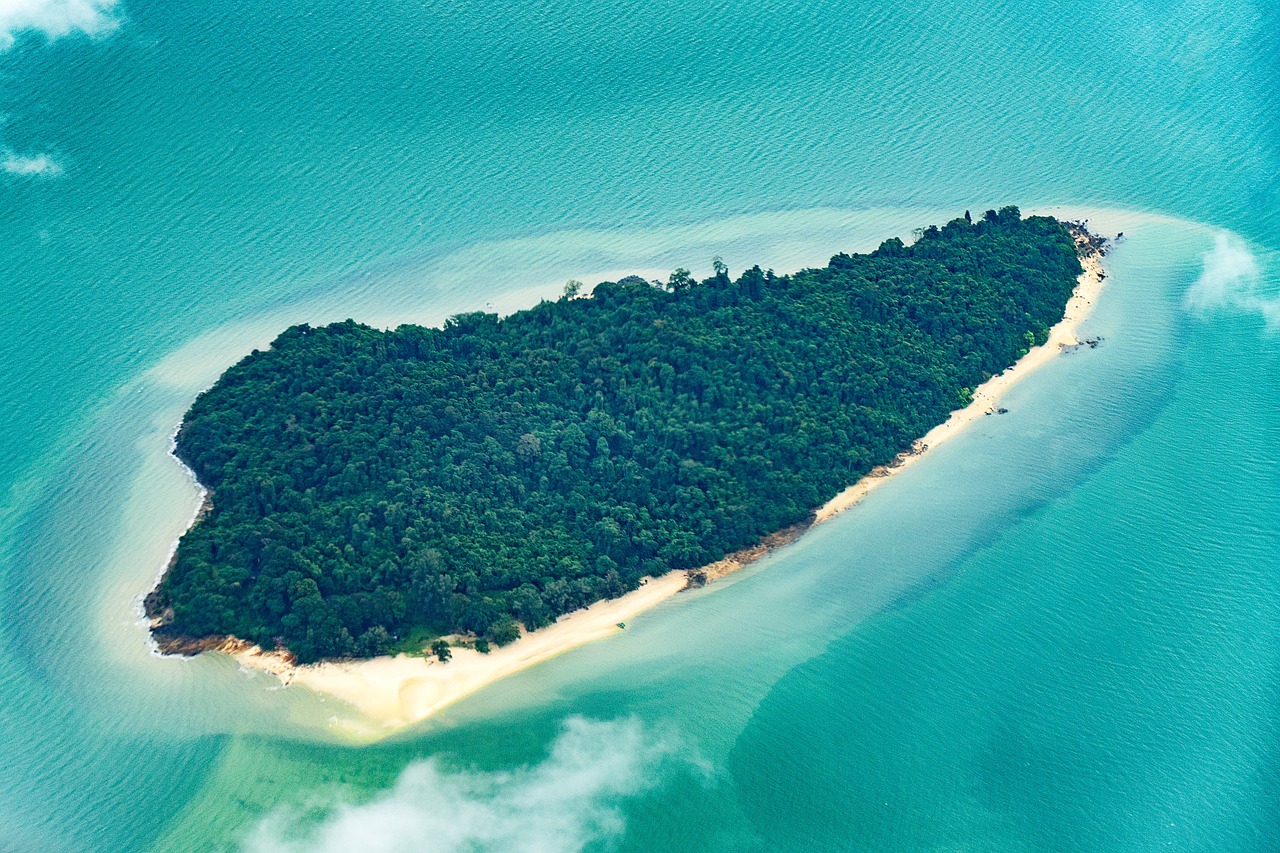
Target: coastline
[[402, 690], [396, 692], [143, 603], [987, 396]]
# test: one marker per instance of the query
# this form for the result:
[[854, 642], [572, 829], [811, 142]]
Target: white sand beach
[[394, 692]]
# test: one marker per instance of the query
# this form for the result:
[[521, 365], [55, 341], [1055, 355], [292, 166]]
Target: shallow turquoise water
[[1057, 633]]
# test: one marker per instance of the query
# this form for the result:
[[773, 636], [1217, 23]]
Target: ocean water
[[1060, 632]]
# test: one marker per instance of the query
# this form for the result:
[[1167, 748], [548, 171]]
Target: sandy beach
[[395, 692], [398, 691], [987, 396]]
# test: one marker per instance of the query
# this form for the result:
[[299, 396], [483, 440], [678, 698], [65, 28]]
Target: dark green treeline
[[364, 482]]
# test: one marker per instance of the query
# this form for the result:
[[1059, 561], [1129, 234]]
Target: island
[[415, 490]]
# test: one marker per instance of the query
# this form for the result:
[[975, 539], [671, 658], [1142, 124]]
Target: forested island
[[365, 486]]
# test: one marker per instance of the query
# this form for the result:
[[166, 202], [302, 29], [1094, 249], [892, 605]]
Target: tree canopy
[[498, 472]]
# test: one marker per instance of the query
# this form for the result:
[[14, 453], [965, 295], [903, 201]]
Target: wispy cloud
[[52, 19], [38, 166], [566, 803], [55, 18], [1232, 279]]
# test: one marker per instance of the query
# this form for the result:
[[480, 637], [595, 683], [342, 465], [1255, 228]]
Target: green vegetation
[[501, 471]]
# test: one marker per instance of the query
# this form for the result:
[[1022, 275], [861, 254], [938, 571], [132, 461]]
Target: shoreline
[[986, 397], [400, 691], [143, 603]]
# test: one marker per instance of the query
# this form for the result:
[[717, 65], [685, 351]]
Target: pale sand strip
[[394, 692], [398, 691]]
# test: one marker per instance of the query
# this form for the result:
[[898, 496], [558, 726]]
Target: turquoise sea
[[1060, 632]]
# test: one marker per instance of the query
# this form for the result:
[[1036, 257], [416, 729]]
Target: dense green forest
[[364, 483]]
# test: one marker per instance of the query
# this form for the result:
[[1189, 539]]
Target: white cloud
[[55, 18], [1232, 279], [39, 166], [566, 803]]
